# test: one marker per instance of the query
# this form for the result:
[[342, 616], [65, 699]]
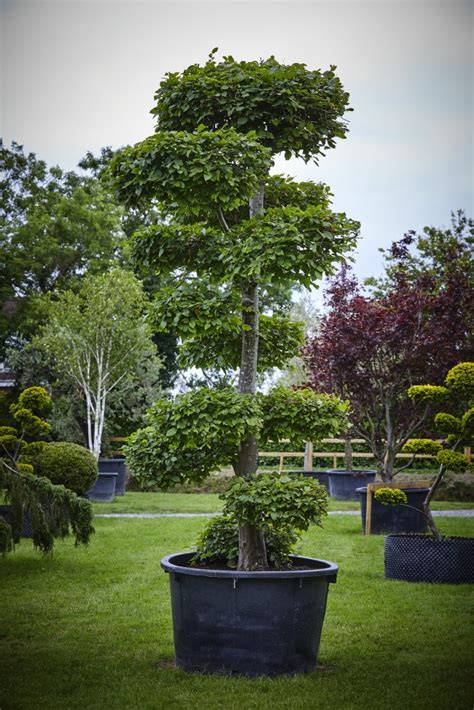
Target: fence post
[[308, 456]]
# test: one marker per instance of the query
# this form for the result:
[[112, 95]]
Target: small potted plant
[[341, 484], [433, 557], [345, 483], [237, 240]]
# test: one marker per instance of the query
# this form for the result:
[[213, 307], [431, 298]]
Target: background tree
[[134, 217], [218, 127], [55, 226], [437, 261], [95, 338], [372, 348]]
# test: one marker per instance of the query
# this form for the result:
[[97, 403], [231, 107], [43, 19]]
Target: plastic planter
[[396, 518], [321, 477], [6, 512], [103, 490], [344, 484], [248, 623], [422, 558], [118, 466]]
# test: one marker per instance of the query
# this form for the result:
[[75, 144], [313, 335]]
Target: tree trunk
[[252, 551], [348, 460], [426, 504], [389, 458], [247, 461]]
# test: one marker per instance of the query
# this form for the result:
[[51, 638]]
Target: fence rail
[[335, 455], [309, 455]]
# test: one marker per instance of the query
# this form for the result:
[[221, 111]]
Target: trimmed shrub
[[68, 464], [391, 496], [454, 461]]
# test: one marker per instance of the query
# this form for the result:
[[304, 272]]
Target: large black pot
[[320, 476], [249, 623], [396, 518], [115, 466], [343, 484], [422, 558], [6, 513], [103, 490]]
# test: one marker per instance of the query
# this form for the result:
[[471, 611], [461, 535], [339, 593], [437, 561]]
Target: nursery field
[[210, 503], [91, 628]]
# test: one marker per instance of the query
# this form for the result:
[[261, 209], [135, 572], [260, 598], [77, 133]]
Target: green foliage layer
[[271, 499], [200, 431], [291, 108]]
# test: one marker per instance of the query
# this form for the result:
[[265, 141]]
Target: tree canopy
[[371, 347], [233, 255], [54, 227], [95, 337]]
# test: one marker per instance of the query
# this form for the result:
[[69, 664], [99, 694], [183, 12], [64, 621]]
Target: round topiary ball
[[68, 464]]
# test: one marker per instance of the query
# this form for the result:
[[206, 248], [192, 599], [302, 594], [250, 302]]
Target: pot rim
[[428, 536], [363, 489], [356, 472], [325, 568]]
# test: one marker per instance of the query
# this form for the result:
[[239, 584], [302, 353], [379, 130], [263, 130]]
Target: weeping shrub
[[54, 510]]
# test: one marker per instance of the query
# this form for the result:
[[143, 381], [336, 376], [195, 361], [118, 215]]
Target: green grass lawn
[[91, 628], [208, 503]]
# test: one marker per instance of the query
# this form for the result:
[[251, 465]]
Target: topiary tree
[[53, 510], [233, 236], [66, 464], [456, 425]]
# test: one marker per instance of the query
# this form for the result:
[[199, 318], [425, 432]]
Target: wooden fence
[[309, 455]]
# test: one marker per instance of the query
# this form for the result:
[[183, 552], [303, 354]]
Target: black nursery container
[[115, 465], [422, 558], [248, 623], [103, 490], [6, 513], [396, 518], [344, 484], [321, 477]]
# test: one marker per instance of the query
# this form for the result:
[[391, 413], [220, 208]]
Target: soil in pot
[[395, 518], [343, 484], [248, 623], [423, 558]]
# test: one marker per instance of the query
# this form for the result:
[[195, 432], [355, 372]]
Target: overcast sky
[[78, 75]]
